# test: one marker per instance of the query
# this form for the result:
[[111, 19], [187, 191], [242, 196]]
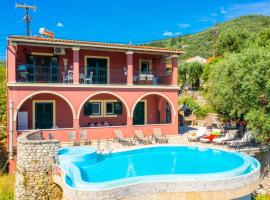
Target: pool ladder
[[108, 147]]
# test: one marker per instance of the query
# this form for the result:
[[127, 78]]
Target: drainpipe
[[11, 131]]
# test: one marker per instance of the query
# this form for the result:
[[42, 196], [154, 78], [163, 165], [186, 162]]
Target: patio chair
[[119, 136], [141, 138], [72, 137], [197, 136], [159, 137], [83, 137], [246, 139]]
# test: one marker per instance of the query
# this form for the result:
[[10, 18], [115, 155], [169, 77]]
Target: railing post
[[76, 65], [129, 67], [11, 63], [174, 70]]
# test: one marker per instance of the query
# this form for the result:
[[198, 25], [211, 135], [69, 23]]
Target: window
[[96, 108], [93, 109], [109, 108], [145, 66]]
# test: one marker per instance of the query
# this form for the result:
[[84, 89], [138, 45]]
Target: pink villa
[[59, 86]]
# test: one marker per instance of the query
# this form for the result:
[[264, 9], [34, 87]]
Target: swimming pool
[[86, 170]]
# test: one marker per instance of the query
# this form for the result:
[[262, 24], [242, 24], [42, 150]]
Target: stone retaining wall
[[35, 157]]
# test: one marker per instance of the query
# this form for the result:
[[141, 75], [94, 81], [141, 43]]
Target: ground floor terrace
[[61, 112]]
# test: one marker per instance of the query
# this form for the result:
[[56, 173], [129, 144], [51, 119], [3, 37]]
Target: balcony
[[29, 73]]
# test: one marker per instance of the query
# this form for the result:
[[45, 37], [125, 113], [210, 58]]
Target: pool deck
[[180, 139]]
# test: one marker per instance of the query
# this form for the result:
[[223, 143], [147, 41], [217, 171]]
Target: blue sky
[[123, 21]]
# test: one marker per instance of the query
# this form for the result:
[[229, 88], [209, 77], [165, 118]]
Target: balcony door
[[44, 114], [43, 69], [97, 70], [139, 116]]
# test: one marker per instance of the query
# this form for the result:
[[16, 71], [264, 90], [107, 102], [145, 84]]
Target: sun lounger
[[119, 136], [141, 138], [83, 137], [159, 137], [230, 135], [196, 136], [72, 137], [247, 138]]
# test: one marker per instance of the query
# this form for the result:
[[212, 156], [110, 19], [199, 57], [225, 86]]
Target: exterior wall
[[34, 167], [77, 96], [117, 61], [63, 116]]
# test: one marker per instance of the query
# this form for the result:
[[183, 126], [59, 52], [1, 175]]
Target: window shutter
[[118, 108], [87, 108]]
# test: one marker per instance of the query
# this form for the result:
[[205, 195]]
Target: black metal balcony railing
[[92, 75], [40, 74]]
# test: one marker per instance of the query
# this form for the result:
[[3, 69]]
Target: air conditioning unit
[[59, 51]]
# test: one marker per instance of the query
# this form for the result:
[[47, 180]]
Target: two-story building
[[61, 85]]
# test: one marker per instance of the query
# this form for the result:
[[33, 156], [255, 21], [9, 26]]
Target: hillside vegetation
[[3, 115], [202, 43]]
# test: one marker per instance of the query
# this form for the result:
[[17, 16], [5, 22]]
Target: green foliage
[[263, 197], [201, 44], [238, 83], [263, 38], [199, 111], [3, 116], [208, 67], [3, 98], [232, 41], [7, 187], [190, 74], [259, 122]]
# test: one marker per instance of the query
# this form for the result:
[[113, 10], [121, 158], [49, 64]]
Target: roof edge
[[78, 43]]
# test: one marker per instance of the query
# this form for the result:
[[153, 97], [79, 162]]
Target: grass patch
[[7, 187], [263, 197]]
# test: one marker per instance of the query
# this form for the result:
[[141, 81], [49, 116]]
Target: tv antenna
[[27, 18]]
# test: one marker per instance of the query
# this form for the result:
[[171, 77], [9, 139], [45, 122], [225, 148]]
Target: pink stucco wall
[[76, 96], [64, 118], [70, 98], [117, 62]]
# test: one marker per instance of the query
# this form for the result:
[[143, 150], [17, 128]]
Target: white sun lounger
[[230, 135], [196, 136]]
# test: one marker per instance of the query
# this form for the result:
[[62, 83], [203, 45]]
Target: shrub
[[7, 187], [199, 111]]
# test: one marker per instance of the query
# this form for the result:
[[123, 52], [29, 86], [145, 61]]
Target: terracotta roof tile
[[92, 44]]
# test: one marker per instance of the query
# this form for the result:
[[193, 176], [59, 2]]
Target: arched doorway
[[44, 111], [152, 109]]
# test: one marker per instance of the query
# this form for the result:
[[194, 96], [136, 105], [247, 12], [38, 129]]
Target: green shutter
[[118, 108], [87, 108]]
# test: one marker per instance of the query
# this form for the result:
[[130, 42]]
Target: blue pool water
[[83, 166]]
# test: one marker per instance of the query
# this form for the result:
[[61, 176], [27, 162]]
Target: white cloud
[[59, 24], [184, 25], [222, 10], [213, 14], [261, 8], [170, 34]]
